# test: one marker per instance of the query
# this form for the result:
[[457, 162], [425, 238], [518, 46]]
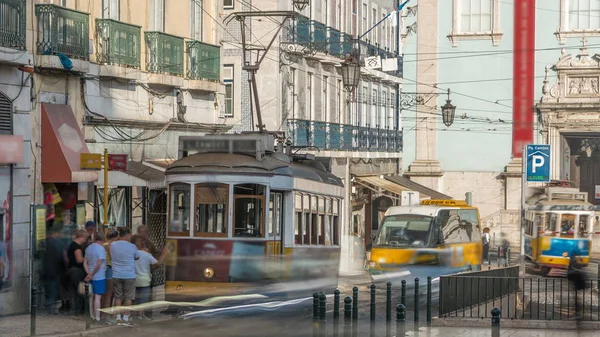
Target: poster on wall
[[5, 223]]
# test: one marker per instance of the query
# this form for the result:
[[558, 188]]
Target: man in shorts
[[95, 268], [123, 255]]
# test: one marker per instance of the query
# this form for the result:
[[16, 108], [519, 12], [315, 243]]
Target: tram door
[[275, 225]]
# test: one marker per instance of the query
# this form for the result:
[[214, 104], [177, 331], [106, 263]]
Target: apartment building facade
[[80, 77]]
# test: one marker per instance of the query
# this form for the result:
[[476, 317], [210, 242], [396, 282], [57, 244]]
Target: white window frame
[[196, 20], [157, 15], [364, 19], [228, 4], [229, 82], [326, 111], [564, 31], [457, 35], [111, 9]]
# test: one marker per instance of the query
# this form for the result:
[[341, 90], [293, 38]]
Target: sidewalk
[[486, 332], [54, 325]]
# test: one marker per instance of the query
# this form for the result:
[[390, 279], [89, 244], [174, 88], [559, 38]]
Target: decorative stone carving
[[583, 86]]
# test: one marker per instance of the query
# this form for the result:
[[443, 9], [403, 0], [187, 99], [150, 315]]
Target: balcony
[[118, 43], [342, 137], [164, 53], [12, 30], [203, 61], [62, 31]]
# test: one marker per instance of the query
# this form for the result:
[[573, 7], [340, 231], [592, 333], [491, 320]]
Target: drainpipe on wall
[[397, 110]]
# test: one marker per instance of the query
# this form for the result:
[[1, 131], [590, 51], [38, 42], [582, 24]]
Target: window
[[110, 9], [405, 230], [211, 211], [228, 4], [229, 90], [196, 20], [375, 29], [326, 116], [157, 15], [306, 220], [578, 18], [392, 118], [275, 214], [315, 225], [179, 209], [249, 210], [365, 12], [335, 222], [475, 20], [363, 112], [298, 219], [550, 224], [309, 100], [584, 14], [383, 107], [326, 12], [374, 110], [476, 16], [567, 224], [584, 224], [339, 102]]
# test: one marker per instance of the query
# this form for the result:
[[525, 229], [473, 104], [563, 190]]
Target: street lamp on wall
[[301, 4], [448, 111], [350, 73]]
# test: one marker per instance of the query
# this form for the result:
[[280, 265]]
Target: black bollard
[[87, 306], [428, 300], [403, 293], [315, 306], [33, 312], [388, 302], [373, 303], [322, 314], [400, 320], [347, 316], [336, 304], [496, 322], [416, 304], [355, 303]]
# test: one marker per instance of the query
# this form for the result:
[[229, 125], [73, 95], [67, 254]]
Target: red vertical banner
[[523, 75]]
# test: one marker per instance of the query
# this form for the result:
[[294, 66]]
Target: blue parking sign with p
[[538, 163]]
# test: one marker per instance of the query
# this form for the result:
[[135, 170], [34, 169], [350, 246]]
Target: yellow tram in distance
[[434, 238], [243, 214], [558, 221]]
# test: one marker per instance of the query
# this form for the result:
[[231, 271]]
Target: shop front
[[66, 185]]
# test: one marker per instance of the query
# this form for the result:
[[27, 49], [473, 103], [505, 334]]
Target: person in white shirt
[[95, 268], [143, 276], [485, 240]]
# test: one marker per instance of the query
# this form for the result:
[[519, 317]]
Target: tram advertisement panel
[[194, 256]]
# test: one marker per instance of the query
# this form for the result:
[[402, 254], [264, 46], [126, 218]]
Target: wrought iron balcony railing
[[343, 137], [12, 29], [164, 53], [118, 43], [62, 30], [334, 46], [203, 61]]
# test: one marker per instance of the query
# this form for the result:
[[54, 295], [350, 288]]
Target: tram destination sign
[[538, 163]]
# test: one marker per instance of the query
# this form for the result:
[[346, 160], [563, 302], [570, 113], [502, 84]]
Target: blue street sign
[[538, 163]]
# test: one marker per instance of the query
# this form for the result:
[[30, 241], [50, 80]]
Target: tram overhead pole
[[250, 65]]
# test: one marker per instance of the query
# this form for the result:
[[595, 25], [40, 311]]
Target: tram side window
[[315, 223], [179, 212], [327, 222], [550, 223], [584, 221], [249, 210], [211, 209], [335, 222], [275, 211], [298, 219], [306, 220]]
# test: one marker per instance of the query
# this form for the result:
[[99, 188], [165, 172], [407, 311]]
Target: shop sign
[[117, 162], [11, 149], [90, 161]]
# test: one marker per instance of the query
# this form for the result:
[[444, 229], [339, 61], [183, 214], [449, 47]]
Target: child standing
[[95, 268], [143, 277]]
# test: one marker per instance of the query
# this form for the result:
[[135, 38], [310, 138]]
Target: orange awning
[[62, 143]]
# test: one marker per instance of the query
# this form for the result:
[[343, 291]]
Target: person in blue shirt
[[123, 255], [95, 268]]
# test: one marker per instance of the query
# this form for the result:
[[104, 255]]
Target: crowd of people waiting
[[116, 265]]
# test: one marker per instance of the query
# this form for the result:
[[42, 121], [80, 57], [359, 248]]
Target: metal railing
[[118, 43], [164, 53], [62, 30], [343, 137], [203, 61], [13, 18]]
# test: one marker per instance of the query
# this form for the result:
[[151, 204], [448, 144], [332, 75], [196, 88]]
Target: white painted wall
[[487, 189]]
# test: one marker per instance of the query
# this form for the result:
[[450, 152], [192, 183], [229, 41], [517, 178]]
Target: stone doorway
[[581, 162]]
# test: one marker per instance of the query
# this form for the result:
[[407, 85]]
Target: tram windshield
[[405, 230]]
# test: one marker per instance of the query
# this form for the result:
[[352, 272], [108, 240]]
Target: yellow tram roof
[[441, 202]]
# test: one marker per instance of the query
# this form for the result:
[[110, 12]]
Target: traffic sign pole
[[105, 191], [524, 159]]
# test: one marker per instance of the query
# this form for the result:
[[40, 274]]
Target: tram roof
[[245, 164], [562, 205]]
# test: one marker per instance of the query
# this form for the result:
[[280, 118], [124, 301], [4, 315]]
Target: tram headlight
[[208, 273], [374, 265], [565, 254]]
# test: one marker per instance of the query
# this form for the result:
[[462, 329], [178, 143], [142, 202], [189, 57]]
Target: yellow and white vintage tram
[[558, 220], [242, 213]]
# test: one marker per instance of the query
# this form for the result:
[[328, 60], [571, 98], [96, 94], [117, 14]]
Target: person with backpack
[[485, 240]]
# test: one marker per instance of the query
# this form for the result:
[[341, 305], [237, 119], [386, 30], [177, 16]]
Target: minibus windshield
[[405, 230]]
